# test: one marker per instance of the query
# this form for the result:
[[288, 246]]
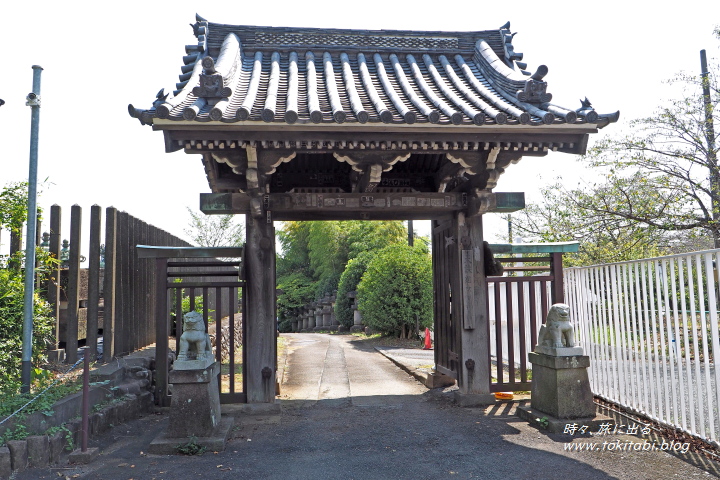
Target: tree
[[561, 217], [661, 187], [349, 281], [664, 175], [396, 290], [13, 212], [315, 254], [215, 230]]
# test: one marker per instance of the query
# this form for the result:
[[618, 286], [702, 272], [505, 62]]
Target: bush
[[349, 281], [12, 288], [397, 289]]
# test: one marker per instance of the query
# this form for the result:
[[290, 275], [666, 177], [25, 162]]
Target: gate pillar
[[260, 354], [474, 377]]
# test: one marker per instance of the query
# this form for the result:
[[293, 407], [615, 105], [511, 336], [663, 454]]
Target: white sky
[[98, 58]]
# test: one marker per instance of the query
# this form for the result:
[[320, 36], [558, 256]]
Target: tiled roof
[[270, 75]]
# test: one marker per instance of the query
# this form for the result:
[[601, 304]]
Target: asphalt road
[[349, 413]]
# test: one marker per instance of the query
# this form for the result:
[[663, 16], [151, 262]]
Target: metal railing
[[650, 328]]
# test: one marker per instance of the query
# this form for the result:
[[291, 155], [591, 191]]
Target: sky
[[98, 59]]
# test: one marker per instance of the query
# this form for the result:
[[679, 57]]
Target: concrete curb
[[429, 379]]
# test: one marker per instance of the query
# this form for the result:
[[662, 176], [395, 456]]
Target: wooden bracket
[[370, 178]]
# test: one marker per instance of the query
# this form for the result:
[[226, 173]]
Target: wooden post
[[109, 284], [558, 287], [53, 287], [121, 304], [73, 293], [260, 324], [93, 282], [474, 381], [161, 333]]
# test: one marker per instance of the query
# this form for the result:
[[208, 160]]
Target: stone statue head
[[193, 321]]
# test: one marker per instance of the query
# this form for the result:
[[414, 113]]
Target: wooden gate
[[193, 279], [446, 281], [518, 304]]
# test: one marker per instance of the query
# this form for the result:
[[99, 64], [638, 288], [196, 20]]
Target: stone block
[[195, 407], [164, 444], [474, 399], [5, 463], [38, 447], [18, 454], [561, 387], [83, 458], [57, 446]]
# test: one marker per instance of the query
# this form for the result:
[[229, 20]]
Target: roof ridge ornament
[[535, 90]]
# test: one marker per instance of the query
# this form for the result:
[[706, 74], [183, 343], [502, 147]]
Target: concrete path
[[350, 413], [339, 372]]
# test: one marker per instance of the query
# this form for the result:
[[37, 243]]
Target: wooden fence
[[113, 294]]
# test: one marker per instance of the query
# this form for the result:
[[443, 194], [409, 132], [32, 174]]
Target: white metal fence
[[650, 328]]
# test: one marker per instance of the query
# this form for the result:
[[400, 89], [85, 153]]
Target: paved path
[[350, 413]]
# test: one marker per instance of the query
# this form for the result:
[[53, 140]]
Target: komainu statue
[[194, 342], [557, 332]]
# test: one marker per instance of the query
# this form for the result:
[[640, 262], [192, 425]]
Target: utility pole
[[712, 154], [411, 235], [509, 220], [33, 101]]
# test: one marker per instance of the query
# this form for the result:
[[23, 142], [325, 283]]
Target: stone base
[[195, 364], [437, 380], [164, 445], [342, 329], [240, 409], [83, 458], [357, 328], [56, 356], [195, 407], [561, 387], [559, 351], [319, 329], [551, 424], [474, 399]]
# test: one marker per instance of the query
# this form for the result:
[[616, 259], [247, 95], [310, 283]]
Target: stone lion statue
[[194, 342], [558, 331]]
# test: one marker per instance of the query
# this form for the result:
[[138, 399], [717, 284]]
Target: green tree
[[215, 230], [660, 191], [664, 174], [13, 212], [396, 290], [562, 217], [314, 255], [349, 281]]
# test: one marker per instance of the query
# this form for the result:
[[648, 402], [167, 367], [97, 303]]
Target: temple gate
[[324, 124]]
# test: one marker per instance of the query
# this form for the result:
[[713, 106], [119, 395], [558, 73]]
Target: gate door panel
[[446, 283]]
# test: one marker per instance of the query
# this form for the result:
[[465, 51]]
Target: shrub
[[12, 288], [349, 281], [396, 290]]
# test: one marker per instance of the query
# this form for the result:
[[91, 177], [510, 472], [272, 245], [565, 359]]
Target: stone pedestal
[[194, 411], [560, 385], [195, 407]]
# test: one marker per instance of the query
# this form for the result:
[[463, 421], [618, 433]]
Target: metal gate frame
[[196, 263]]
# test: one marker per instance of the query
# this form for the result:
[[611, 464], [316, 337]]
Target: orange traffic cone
[[428, 341]]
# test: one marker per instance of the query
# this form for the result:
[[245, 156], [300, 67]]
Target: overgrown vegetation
[[13, 197]]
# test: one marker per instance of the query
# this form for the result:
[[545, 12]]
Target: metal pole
[[33, 101], [711, 155], [411, 234]]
